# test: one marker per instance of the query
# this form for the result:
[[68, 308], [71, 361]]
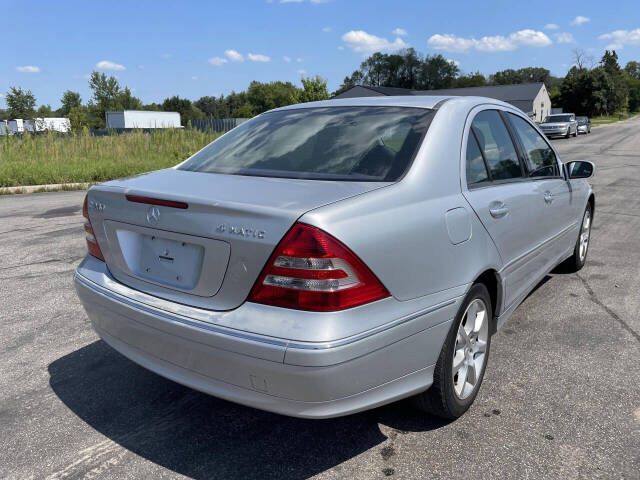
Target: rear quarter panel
[[400, 231]]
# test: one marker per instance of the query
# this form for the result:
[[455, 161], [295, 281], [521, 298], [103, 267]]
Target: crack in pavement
[[51, 260], [594, 298], [620, 213]]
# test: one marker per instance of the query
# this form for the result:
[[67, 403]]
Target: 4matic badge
[[241, 231]]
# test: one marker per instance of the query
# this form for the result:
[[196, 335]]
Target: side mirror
[[580, 169]]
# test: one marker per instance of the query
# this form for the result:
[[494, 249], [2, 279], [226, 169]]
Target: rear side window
[[496, 145], [476, 168], [540, 159], [327, 143]]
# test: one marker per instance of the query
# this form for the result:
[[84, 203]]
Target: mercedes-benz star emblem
[[153, 215]]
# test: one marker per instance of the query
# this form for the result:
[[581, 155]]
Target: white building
[[18, 125], [142, 119]]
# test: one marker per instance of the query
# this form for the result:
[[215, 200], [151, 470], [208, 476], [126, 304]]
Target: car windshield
[[322, 143], [557, 118], [582, 120]]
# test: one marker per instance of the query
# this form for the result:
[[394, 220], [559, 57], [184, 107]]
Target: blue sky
[[162, 48]]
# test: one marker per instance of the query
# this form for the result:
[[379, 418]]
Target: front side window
[[539, 158], [496, 145], [324, 143]]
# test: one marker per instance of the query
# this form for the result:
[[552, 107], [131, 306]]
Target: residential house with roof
[[531, 98]]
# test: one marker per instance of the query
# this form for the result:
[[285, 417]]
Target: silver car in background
[[326, 258], [584, 124], [560, 125]]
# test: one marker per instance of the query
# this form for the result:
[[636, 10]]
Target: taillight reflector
[[311, 270], [92, 243]]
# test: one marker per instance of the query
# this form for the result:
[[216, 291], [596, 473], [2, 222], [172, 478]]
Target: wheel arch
[[592, 202], [491, 279]]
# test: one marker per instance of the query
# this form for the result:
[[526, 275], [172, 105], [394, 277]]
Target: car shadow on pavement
[[200, 436]]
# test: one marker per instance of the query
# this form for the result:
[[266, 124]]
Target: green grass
[[609, 119], [45, 159]]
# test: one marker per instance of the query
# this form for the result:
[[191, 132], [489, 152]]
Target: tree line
[[108, 94], [410, 69], [589, 88]]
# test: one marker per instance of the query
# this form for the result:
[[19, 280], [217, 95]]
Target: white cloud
[[564, 37], [400, 32], [217, 61], [340, 47], [1, 95], [287, 59], [551, 26], [234, 55], [365, 43], [579, 20], [620, 38], [258, 57], [301, 71], [327, 29], [498, 43], [455, 62], [299, 60], [108, 65], [28, 69]]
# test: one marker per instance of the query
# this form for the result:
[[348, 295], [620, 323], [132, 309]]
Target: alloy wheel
[[470, 349], [585, 232]]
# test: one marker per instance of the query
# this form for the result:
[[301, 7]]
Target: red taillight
[[92, 243], [311, 270]]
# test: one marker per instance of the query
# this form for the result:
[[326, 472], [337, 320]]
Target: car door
[[504, 200], [554, 197]]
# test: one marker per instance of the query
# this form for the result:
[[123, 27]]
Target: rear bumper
[[275, 374]]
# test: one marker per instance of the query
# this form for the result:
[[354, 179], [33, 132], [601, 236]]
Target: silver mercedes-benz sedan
[[329, 257]]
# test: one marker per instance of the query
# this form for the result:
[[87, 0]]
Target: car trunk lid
[[210, 253]]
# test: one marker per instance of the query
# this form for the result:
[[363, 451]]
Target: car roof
[[419, 101]]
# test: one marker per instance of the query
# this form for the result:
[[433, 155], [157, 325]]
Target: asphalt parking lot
[[560, 399]]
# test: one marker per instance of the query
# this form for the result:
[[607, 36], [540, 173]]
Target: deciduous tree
[[20, 103], [314, 89], [69, 100], [188, 112]]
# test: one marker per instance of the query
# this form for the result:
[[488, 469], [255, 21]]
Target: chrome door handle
[[548, 197], [499, 210]]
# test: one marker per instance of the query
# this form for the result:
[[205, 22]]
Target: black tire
[[576, 134], [441, 399], [574, 263], [568, 135]]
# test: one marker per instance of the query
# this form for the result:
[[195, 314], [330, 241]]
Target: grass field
[[45, 159], [609, 119]]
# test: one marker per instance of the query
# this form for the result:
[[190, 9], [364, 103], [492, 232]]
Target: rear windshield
[[557, 118], [328, 143]]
